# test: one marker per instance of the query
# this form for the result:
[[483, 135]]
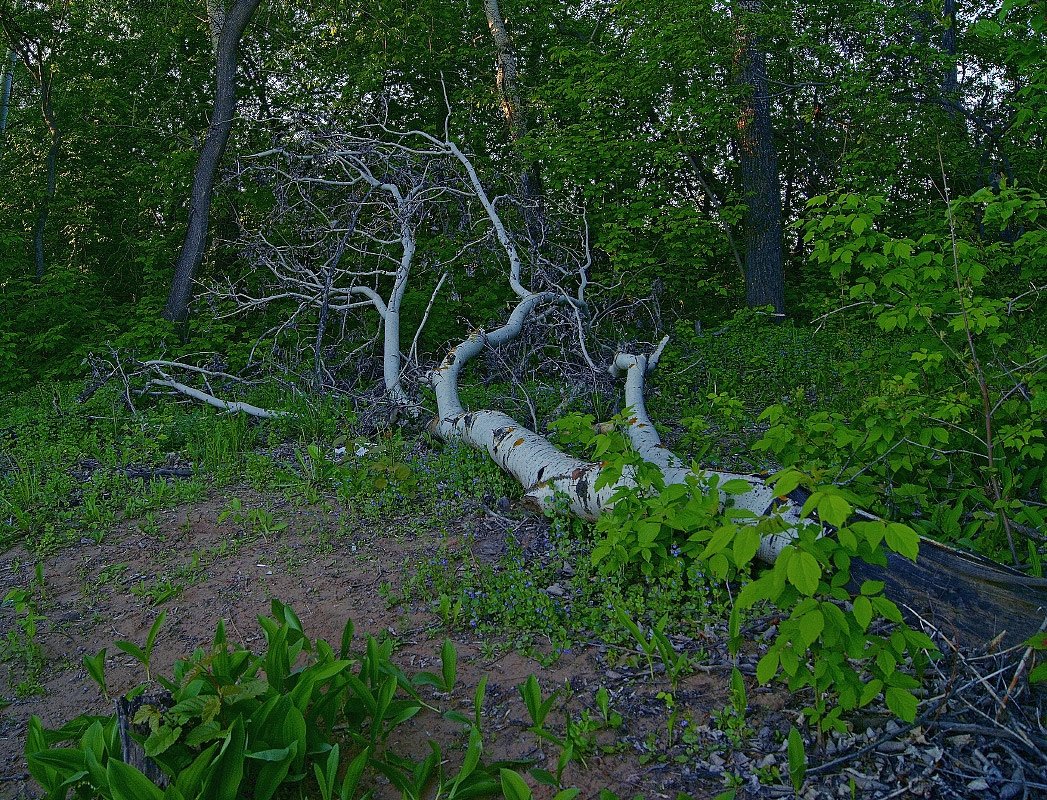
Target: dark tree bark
[[761, 185], [227, 45], [49, 193]]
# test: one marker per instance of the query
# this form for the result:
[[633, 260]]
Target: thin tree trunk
[[717, 205], [45, 208], [5, 99], [235, 23], [508, 81], [761, 186], [51, 167]]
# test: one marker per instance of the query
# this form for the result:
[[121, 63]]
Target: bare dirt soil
[[330, 570]]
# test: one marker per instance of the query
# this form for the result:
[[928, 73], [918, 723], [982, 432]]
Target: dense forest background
[[803, 243], [872, 172], [644, 115]]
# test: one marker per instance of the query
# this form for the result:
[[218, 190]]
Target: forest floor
[[200, 567]]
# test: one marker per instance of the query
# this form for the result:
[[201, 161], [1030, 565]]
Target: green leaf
[[273, 754], [787, 482], [746, 544], [1038, 675], [736, 486], [863, 611], [127, 783], [902, 703], [767, 667], [797, 759], [567, 794], [190, 780], [811, 626], [95, 666], [886, 609], [804, 572], [513, 786], [834, 510], [760, 589], [150, 640], [161, 740], [870, 691], [354, 773], [449, 662], [472, 756], [133, 650], [903, 540]]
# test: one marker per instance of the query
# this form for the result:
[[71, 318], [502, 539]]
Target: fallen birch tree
[[358, 252]]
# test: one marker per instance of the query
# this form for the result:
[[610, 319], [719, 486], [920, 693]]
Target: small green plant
[[21, 642], [158, 592], [144, 655], [676, 664], [257, 520], [733, 718]]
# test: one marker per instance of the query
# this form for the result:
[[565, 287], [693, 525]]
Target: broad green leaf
[[767, 667], [870, 691], [804, 572], [513, 786], [161, 740], [787, 482], [754, 591], [834, 510], [736, 486], [902, 703], [903, 540], [863, 611], [811, 626], [127, 783], [746, 543]]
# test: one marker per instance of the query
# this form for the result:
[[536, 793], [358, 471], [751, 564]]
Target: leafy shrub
[[830, 641], [952, 432]]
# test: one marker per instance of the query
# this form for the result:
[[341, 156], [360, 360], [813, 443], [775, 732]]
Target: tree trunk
[[508, 81], [50, 169], [761, 186], [45, 207], [8, 82], [235, 23]]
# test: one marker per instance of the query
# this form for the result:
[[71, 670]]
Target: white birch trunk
[[545, 472]]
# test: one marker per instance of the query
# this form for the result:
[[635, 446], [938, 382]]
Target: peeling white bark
[[549, 475], [645, 440]]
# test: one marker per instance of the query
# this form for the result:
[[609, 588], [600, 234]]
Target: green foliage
[[828, 641], [1038, 644], [952, 430], [240, 725], [20, 643]]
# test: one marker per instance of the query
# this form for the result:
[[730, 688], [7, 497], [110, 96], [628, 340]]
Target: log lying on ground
[[973, 597]]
